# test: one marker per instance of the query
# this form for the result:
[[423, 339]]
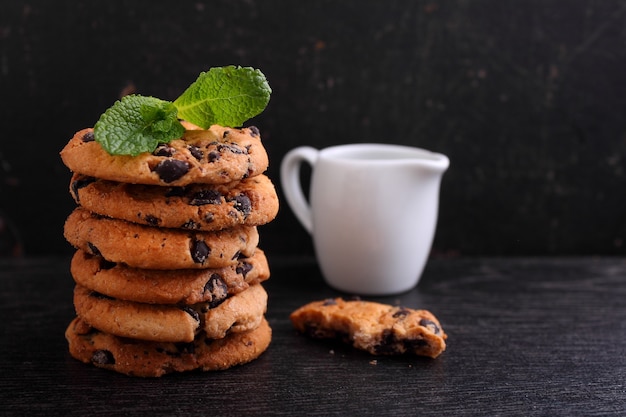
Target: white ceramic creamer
[[372, 212]]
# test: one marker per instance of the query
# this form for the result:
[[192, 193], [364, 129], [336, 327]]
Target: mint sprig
[[226, 96]]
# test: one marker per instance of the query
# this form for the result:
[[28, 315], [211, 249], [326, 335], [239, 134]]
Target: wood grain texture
[[526, 337]]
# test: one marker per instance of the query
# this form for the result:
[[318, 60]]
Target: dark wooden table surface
[[526, 337]]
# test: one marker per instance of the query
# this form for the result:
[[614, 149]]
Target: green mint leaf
[[137, 124], [226, 96]]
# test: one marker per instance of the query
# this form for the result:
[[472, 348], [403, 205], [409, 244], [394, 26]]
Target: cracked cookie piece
[[217, 155], [252, 202], [154, 359], [183, 286], [379, 329], [149, 247], [171, 323]]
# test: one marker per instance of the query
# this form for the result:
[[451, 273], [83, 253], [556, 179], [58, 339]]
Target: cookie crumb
[[374, 362]]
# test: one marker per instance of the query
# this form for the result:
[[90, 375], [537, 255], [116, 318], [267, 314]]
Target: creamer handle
[[290, 181]]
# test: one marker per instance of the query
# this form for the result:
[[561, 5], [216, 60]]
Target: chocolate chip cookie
[[377, 328], [149, 247], [252, 202], [217, 155], [186, 286], [171, 323], [154, 359]]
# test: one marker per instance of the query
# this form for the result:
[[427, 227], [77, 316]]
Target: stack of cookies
[[167, 268]]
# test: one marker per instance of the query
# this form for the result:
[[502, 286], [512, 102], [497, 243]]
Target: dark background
[[527, 98]]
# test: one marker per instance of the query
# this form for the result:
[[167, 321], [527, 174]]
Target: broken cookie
[[379, 329]]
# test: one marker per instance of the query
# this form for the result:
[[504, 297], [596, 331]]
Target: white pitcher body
[[373, 212]]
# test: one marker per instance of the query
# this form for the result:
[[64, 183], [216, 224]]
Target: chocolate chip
[[199, 251], [193, 313], [190, 225], [388, 343], [254, 131], [429, 324], [230, 148], [214, 156], [94, 250], [81, 182], [413, 344], [209, 217], [103, 357], [164, 150], [152, 220], [217, 288], [171, 169], [88, 137], [206, 197], [402, 312], [243, 268], [243, 204], [196, 152], [329, 302]]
